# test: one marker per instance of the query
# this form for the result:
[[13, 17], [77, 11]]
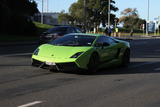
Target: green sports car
[[79, 51]]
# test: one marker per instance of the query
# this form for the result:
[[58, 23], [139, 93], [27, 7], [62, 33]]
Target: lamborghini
[[80, 51]]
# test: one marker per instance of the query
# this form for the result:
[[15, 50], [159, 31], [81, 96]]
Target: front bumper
[[67, 66]]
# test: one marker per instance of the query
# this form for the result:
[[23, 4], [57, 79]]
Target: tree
[[16, 16], [96, 12], [65, 18], [130, 19]]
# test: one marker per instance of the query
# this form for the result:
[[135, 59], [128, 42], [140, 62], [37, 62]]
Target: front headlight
[[36, 51], [76, 55]]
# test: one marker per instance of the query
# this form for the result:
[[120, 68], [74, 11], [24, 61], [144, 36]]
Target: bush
[[20, 25]]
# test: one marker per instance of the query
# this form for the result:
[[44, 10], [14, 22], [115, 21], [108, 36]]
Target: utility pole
[[147, 21], [42, 11], [109, 13], [47, 6], [158, 24], [85, 14]]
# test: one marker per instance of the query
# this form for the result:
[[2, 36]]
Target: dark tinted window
[[105, 39], [101, 39], [111, 41], [78, 30], [70, 30], [74, 40], [57, 29]]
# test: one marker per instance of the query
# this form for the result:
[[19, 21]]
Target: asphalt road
[[138, 85]]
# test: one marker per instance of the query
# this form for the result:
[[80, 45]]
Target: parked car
[[57, 32], [82, 51]]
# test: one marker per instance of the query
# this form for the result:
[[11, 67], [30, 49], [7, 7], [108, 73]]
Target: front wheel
[[126, 58], [93, 63]]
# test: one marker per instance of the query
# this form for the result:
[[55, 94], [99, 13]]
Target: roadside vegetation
[[29, 37], [89, 15], [16, 16], [41, 27], [17, 24]]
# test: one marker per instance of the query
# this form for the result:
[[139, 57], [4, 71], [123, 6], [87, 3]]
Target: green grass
[[20, 38], [42, 27]]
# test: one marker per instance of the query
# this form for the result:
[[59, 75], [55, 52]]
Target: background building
[[48, 18]]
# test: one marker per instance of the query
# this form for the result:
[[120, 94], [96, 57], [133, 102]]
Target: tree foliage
[[94, 12], [65, 18], [130, 19], [16, 14]]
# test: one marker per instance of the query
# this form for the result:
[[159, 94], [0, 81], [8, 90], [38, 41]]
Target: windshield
[[74, 40], [57, 29]]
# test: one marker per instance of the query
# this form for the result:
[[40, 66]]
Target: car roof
[[86, 34]]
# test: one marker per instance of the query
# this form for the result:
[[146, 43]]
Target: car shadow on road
[[132, 68]]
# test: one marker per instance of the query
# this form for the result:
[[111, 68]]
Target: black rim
[[126, 57]]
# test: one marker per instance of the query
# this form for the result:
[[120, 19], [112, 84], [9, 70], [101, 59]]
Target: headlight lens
[[76, 55], [36, 51]]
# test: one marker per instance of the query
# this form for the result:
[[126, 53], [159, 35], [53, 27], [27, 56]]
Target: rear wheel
[[93, 63], [126, 58]]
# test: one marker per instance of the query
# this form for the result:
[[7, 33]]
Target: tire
[[93, 63], [126, 58]]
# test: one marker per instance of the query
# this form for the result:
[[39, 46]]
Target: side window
[[105, 39], [111, 41], [70, 30], [78, 30], [100, 40]]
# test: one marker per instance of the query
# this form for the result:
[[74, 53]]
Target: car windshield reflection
[[74, 40]]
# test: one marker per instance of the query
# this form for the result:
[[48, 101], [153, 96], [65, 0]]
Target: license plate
[[50, 63]]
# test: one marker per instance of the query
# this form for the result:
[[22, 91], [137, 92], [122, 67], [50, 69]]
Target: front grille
[[41, 64], [58, 66], [36, 62], [67, 66]]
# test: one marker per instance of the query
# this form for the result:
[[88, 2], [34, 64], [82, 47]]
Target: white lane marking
[[157, 69], [31, 104], [17, 54]]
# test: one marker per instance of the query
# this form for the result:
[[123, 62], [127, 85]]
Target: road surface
[[137, 85]]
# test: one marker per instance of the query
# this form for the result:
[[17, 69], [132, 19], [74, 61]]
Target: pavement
[[137, 85], [135, 37]]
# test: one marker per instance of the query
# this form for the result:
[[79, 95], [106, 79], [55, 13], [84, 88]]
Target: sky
[[141, 5]]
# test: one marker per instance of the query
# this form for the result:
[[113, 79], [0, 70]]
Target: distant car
[[57, 32], [82, 51]]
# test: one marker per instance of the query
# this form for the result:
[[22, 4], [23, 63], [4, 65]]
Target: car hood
[[53, 51]]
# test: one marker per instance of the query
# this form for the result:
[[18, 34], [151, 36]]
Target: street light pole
[[109, 13], [147, 21], [42, 12], [47, 6], [85, 14]]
